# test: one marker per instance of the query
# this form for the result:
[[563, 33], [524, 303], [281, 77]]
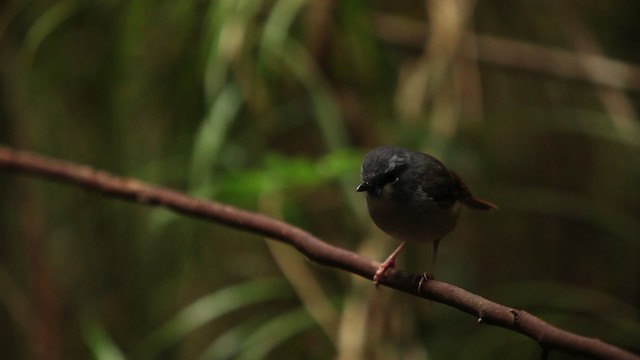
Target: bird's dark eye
[[389, 178]]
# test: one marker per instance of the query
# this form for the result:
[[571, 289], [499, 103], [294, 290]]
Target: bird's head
[[381, 168]]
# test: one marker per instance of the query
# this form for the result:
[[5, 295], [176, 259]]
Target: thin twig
[[487, 312]]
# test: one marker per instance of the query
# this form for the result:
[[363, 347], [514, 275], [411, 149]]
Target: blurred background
[[270, 106]]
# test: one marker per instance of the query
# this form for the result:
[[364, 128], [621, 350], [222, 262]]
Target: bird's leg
[[389, 263], [436, 245], [430, 274]]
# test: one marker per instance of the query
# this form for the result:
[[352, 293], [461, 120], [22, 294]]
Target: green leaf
[[210, 308]]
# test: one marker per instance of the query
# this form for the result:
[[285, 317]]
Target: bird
[[413, 197]]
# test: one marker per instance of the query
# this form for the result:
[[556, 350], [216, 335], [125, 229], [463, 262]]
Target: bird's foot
[[426, 276], [389, 263]]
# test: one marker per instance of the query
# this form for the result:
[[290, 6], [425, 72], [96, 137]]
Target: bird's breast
[[413, 221]]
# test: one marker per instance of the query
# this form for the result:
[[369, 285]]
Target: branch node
[[481, 315]]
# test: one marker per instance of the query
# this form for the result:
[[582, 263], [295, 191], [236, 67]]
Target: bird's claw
[[426, 276], [390, 263]]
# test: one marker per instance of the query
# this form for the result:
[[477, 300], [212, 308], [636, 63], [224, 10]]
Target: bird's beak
[[365, 186]]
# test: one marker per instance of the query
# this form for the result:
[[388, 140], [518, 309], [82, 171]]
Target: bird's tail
[[478, 204], [468, 199]]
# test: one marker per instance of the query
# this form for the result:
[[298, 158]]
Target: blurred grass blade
[[43, 27], [282, 16], [577, 207], [227, 29], [99, 341], [209, 308], [277, 44], [227, 345], [274, 333], [209, 140], [327, 115], [595, 124], [212, 134]]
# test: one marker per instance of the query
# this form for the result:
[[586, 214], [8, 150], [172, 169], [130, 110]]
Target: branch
[[548, 336], [588, 68]]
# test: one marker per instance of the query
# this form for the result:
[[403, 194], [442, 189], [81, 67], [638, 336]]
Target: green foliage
[[208, 309], [279, 173]]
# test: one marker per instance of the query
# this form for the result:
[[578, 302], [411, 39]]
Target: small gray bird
[[413, 197]]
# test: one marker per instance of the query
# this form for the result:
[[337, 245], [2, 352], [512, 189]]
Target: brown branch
[[488, 312], [515, 54]]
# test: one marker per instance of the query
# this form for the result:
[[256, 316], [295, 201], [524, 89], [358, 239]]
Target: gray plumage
[[412, 196]]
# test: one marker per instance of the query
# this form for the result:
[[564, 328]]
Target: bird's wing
[[436, 181]]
